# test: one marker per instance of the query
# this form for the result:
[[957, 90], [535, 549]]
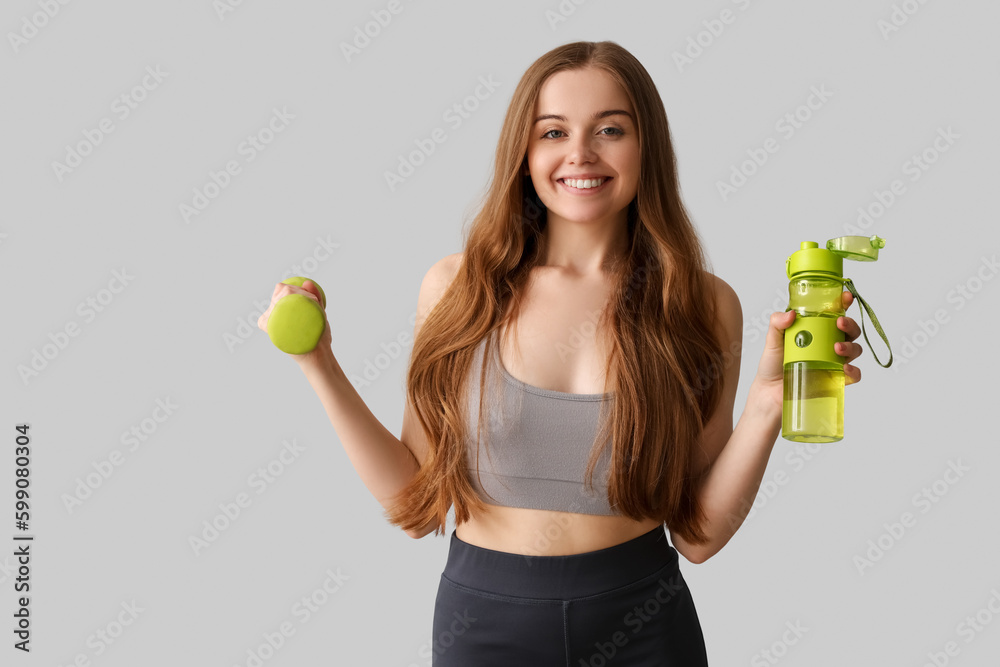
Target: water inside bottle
[[809, 297], [813, 406]]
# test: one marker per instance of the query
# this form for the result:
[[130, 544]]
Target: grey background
[[169, 333]]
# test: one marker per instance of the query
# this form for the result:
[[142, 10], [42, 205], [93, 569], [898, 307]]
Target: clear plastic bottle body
[[816, 296], [813, 405]]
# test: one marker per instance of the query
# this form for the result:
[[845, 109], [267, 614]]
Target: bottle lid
[[857, 248], [810, 257]]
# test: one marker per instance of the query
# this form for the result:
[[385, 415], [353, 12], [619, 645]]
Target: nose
[[581, 149]]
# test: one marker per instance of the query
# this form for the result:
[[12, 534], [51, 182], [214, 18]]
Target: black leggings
[[624, 605]]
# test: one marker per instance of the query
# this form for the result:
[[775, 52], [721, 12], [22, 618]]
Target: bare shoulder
[[435, 284], [729, 311]]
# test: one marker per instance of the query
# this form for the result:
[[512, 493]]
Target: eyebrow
[[597, 116]]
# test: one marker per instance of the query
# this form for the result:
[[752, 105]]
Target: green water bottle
[[813, 407]]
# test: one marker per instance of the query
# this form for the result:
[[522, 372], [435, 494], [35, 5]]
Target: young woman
[[566, 446]]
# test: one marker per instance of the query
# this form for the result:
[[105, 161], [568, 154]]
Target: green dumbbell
[[296, 321]]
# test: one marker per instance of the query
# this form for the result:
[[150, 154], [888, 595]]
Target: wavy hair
[[665, 357]]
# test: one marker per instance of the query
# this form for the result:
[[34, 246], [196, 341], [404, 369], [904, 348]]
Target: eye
[[615, 131]]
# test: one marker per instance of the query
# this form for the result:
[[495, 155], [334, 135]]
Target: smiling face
[[586, 134]]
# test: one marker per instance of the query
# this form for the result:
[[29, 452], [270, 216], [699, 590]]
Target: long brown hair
[[664, 354]]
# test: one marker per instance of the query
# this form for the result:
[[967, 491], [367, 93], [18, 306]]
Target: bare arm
[[730, 486], [385, 463], [434, 285], [731, 463], [735, 460]]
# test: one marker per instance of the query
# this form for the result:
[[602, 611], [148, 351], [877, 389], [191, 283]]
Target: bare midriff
[[533, 532]]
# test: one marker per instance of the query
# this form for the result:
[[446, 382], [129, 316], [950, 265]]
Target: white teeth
[[583, 184]]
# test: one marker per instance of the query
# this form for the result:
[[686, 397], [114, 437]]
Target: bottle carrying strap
[[849, 284]]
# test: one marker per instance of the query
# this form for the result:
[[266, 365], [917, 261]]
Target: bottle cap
[[857, 248], [810, 257]]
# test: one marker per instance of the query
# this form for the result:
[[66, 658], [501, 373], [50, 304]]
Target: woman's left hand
[[769, 381]]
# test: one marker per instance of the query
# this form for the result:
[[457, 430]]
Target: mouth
[[584, 186]]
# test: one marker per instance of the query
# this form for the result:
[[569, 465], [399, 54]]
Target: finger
[[284, 289], [312, 289], [849, 327], [262, 320], [775, 332], [852, 374], [847, 298], [850, 351]]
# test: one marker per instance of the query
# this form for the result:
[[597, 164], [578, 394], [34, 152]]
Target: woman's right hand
[[309, 289]]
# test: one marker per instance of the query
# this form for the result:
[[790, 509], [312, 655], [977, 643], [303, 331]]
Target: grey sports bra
[[539, 441]]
